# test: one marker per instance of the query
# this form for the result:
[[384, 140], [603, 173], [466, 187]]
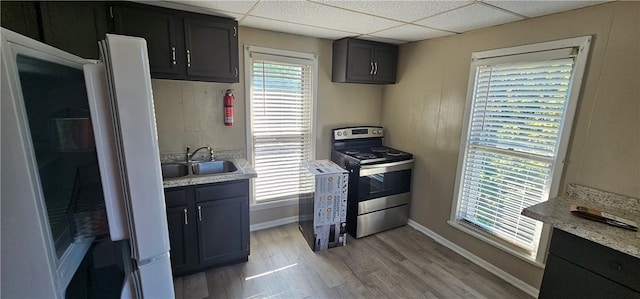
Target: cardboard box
[[323, 210]]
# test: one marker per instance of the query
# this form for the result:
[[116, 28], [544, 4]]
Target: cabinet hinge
[[235, 31], [111, 11]]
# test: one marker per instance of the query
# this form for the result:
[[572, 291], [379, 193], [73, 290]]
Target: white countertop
[[556, 212]]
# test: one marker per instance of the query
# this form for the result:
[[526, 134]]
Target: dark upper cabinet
[[160, 29], [385, 63], [182, 45], [212, 48], [21, 17], [75, 27], [360, 61]]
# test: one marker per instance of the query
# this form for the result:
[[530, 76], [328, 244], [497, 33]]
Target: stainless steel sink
[[214, 167], [174, 170]]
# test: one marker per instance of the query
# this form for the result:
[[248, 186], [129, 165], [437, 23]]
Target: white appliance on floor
[[61, 117]]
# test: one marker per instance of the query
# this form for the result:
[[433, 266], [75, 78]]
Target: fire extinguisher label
[[228, 115]]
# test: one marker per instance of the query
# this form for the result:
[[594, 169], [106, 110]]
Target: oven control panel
[[357, 133]]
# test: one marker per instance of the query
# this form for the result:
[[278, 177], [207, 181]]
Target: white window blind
[[516, 120], [281, 125]]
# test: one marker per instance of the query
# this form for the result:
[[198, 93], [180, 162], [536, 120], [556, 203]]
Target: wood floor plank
[[400, 263]]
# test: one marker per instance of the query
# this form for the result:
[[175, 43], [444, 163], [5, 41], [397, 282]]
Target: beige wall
[[191, 113], [423, 113]]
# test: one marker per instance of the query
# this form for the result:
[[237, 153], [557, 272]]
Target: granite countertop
[[556, 212], [245, 171]]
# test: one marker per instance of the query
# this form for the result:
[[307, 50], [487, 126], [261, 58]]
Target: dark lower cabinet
[[208, 225], [221, 233], [578, 268], [178, 220]]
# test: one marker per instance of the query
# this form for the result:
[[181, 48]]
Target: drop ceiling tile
[[407, 11], [236, 6], [318, 15], [540, 8], [196, 7], [411, 33], [469, 17], [280, 26]]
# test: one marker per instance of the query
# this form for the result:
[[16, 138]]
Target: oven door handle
[[367, 170]]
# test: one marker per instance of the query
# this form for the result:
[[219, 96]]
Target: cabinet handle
[[235, 31], [188, 58], [615, 265], [200, 213], [236, 72], [173, 54], [111, 11], [371, 71], [185, 217], [375, 71]]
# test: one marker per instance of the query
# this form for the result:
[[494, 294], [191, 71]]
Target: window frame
[[284, 56], [515, 54]]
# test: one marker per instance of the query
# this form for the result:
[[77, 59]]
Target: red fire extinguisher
[[228, 108]]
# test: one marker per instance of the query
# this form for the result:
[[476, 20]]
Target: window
[[520, 108], [281, 101]]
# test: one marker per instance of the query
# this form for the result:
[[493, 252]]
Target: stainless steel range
[[379, 180]]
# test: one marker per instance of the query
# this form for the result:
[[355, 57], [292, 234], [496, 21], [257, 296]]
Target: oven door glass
[[384, 184]]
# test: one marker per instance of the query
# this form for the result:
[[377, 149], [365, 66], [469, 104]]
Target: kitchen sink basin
[[214, 167], [176, 170]]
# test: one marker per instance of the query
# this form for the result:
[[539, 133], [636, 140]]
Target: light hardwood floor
[[400, 263]]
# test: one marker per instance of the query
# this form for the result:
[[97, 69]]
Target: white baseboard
[[476, 260], [273, 223]]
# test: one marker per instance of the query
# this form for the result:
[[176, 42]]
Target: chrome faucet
[[190, 154]]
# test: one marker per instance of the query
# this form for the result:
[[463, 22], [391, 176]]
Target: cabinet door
[[20, 17], [212, 49], [360, 61], [159, 29], [75, 27], [223, 230], [385, 62], [563, 279], [179, 222]]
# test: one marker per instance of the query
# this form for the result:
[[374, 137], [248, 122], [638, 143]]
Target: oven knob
[[339, 133], [344, 133], [379, 131]]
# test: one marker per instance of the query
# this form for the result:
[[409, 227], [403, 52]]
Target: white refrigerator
[[80, 164]]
